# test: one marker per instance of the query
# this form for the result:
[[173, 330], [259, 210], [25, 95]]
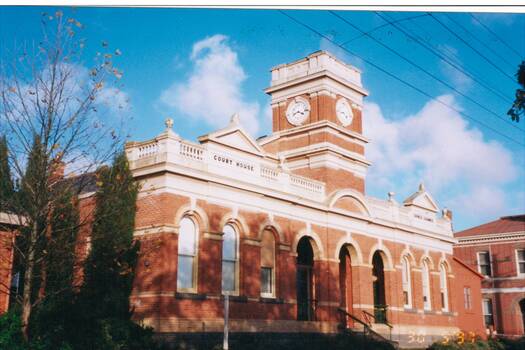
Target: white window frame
[[467, 298], [425, 277], [518, 273], [273, 282], [194, 266], [485, 314], [406, 279], [235, 290], [479, 262], [443, 286]]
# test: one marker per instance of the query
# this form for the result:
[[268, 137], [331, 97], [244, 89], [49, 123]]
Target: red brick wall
[[155, 298], [469, 320], [506, 310], [6, 259]]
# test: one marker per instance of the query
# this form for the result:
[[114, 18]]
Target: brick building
[[497, 251], [282, 224], [7, 227]]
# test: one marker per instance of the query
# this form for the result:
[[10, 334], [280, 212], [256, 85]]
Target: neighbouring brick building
[[282, 225], [497, 251], [7, 229]]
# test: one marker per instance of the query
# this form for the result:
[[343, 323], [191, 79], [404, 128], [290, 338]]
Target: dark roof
[[82, 184], [505, 224]]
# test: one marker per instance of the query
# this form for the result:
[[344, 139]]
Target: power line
[[473, 48], [433, 76], [496, 36], [399, 79], [445, 58], [480, 41], [382, 26]]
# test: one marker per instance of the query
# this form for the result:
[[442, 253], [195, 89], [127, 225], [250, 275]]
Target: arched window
[[187, 255], [267, 264], [407, 287], [425, 276], [443, 287], [229, 259]]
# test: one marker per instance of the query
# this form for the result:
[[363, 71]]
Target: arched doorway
[[345, 283], [345, 279], [378, 278], [305, 280], [522, 309]]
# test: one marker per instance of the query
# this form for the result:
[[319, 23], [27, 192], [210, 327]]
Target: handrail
[[367, 329], [356, 319], [368, 315], [385, 322]]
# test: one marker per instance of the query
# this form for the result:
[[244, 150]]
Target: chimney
[[58, 168]]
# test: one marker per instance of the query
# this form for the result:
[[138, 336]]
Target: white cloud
[[487, 18], [462, 81], [340, 53], [482, 201], [437, 146], [213, 91]]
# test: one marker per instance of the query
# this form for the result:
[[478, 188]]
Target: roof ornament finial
[[421, 187], [169, 123], [235, 119], [391, 196], [282, 165]]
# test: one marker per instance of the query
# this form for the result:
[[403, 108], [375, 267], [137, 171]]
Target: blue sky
[[199, 66]]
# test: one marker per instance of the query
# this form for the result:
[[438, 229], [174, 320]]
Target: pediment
[[422, 199], [234, 136]]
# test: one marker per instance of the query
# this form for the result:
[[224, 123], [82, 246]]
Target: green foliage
[[477, 345], [110, 265], [11, 332], [60, 246], [518, 107], [6, 182], [513, 344], [34, 187], [102, 308]]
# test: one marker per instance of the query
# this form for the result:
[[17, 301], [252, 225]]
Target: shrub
[[11, 332], [477, 345]]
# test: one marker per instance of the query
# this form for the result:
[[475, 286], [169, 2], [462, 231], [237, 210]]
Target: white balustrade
[[269, 173], [148, 150], [245, 168]]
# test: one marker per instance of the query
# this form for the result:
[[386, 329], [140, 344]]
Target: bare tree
[[57, 113]]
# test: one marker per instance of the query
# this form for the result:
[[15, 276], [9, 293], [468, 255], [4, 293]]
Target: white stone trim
[[490, 238], [503, 290], [306, 211]]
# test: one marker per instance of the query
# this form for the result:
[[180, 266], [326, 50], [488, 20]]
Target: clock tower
[[317, 123]]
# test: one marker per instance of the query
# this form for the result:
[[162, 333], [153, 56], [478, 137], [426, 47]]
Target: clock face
[[298, 111], [344, 112]]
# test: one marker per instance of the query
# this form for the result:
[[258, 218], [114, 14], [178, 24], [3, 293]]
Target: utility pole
[[226, 316]]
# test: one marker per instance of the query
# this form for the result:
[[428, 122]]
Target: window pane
[[266, 280], [229, 243], [228, 276], [187, 237], [267, 249], [484, 257], [185, 271], [522, 267], [405, 271], [487, 306], [521, 255]]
